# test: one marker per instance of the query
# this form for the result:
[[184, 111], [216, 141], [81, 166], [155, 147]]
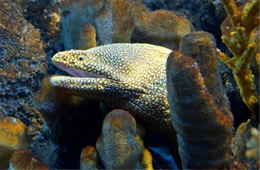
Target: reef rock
[[22, 159], [13, 136]]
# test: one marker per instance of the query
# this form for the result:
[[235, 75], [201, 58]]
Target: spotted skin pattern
[[125, 76]]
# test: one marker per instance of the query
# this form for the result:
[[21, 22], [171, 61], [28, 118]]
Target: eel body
[[125, 76]]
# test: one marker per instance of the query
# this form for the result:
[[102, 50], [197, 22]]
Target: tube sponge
[[199, 108], [117, 146], [89, 158]]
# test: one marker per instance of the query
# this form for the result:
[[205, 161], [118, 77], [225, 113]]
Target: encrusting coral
[[44, 14], [199, 108], [22, 67], [242, 40]]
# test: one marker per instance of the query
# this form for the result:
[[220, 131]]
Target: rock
[[13, 136], [22, 159]]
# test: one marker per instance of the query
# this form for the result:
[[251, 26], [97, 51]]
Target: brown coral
[[114, 22], [117, 21], [245, 146], [199, 107], [44, 14], [22, 67], [242, 42], [160, 27], [76, 14], [89, 158], [22, 159], [13, 135], [117, 146]]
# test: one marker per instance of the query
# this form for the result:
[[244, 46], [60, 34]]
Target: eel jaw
[[80, 81], [77, 73]]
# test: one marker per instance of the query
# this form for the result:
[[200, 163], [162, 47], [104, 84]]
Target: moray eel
[[125, 76]]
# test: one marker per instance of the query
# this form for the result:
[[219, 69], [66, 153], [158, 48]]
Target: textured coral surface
[[23, 62], [199, 109], [13, 135], [22, 159], [22, 67]]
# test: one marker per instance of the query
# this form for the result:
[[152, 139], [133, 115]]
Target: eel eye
[[80, 58]]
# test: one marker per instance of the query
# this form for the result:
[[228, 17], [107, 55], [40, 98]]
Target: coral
[[242, 44], [121, 21], [22, 159], [160, 27], [199, 108], [147, 160], [117, 146], [75, 15], [114, 22], [245, 146], [88, 38], [89, 158], [22, 67], [253, 144], [119, 126], [44, 15], [13, 135]]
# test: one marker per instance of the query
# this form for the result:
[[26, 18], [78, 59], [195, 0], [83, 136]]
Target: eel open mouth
[[77, 73]]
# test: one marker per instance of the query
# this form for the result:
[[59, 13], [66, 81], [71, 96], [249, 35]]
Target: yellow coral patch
[[10, 131]]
